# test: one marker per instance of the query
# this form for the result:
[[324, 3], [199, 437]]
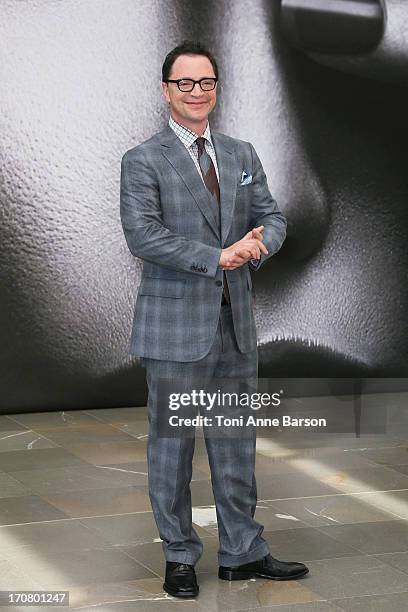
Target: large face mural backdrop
[[318, 86]]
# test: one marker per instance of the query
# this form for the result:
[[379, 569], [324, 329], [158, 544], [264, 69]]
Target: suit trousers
[[231, 460]]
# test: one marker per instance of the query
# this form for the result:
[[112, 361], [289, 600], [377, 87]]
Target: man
[[195, 206]]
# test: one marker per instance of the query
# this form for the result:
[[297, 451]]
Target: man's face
[[190, 108]]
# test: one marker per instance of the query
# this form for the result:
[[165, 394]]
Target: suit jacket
[[168, 222]]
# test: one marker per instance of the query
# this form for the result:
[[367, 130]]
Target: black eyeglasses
[[206, 84]]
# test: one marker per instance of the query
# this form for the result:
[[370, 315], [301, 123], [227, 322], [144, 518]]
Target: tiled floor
[[75, 515]]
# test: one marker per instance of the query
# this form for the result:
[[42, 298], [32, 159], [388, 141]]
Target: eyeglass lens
[[205, 84]]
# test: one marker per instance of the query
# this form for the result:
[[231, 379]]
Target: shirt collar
[[187, 136]]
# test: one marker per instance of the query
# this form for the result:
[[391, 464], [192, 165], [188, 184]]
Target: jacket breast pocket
[[162, 287]]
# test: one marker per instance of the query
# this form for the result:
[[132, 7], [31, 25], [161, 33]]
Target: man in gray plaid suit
[[196, 208]]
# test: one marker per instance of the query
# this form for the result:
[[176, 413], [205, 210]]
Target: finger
[[247, 236], [234, 259], [262, 247], [243, 255], [239, 261], [256, 252]]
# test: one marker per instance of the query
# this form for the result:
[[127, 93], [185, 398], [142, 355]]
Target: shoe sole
[[185, 594], [231, 575]]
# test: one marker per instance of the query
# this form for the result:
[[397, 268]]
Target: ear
[[165, 90]]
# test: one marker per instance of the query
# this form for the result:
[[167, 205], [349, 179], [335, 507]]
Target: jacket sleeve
[[264, 211], [142, 223]]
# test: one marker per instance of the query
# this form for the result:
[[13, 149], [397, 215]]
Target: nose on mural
[[333, 26]]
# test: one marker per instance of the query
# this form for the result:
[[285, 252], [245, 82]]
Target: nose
[[198, 87]]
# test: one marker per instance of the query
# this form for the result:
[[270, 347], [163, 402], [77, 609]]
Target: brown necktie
[[211, 182]]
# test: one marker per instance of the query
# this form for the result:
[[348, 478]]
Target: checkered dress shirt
[[188, 138]]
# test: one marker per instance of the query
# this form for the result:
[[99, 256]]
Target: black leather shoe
[[180, 580], [268, 567]]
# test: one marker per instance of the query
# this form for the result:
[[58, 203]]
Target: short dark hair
[[187, 47]]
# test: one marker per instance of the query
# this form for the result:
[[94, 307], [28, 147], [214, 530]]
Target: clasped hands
[[249, 247]]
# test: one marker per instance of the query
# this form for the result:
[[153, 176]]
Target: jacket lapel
[[178, 156], [226, 161]]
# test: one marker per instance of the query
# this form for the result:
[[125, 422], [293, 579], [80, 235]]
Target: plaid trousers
[[231, 460]]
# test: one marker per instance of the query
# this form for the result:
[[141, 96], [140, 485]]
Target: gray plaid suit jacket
[[168, 222]]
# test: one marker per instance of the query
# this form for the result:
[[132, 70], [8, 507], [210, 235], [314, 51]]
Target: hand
[[249, 247]]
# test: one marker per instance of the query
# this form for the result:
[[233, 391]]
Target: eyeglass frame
[[215, 79]]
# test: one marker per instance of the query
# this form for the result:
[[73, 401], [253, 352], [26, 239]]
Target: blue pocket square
[[246, 179]]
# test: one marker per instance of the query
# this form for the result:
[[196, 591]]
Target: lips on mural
[[333, 26], [363, 37]]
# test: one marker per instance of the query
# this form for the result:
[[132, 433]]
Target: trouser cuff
[[182, 558], [253, 555]]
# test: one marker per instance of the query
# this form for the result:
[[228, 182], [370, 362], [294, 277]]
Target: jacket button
[[218, 283]]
